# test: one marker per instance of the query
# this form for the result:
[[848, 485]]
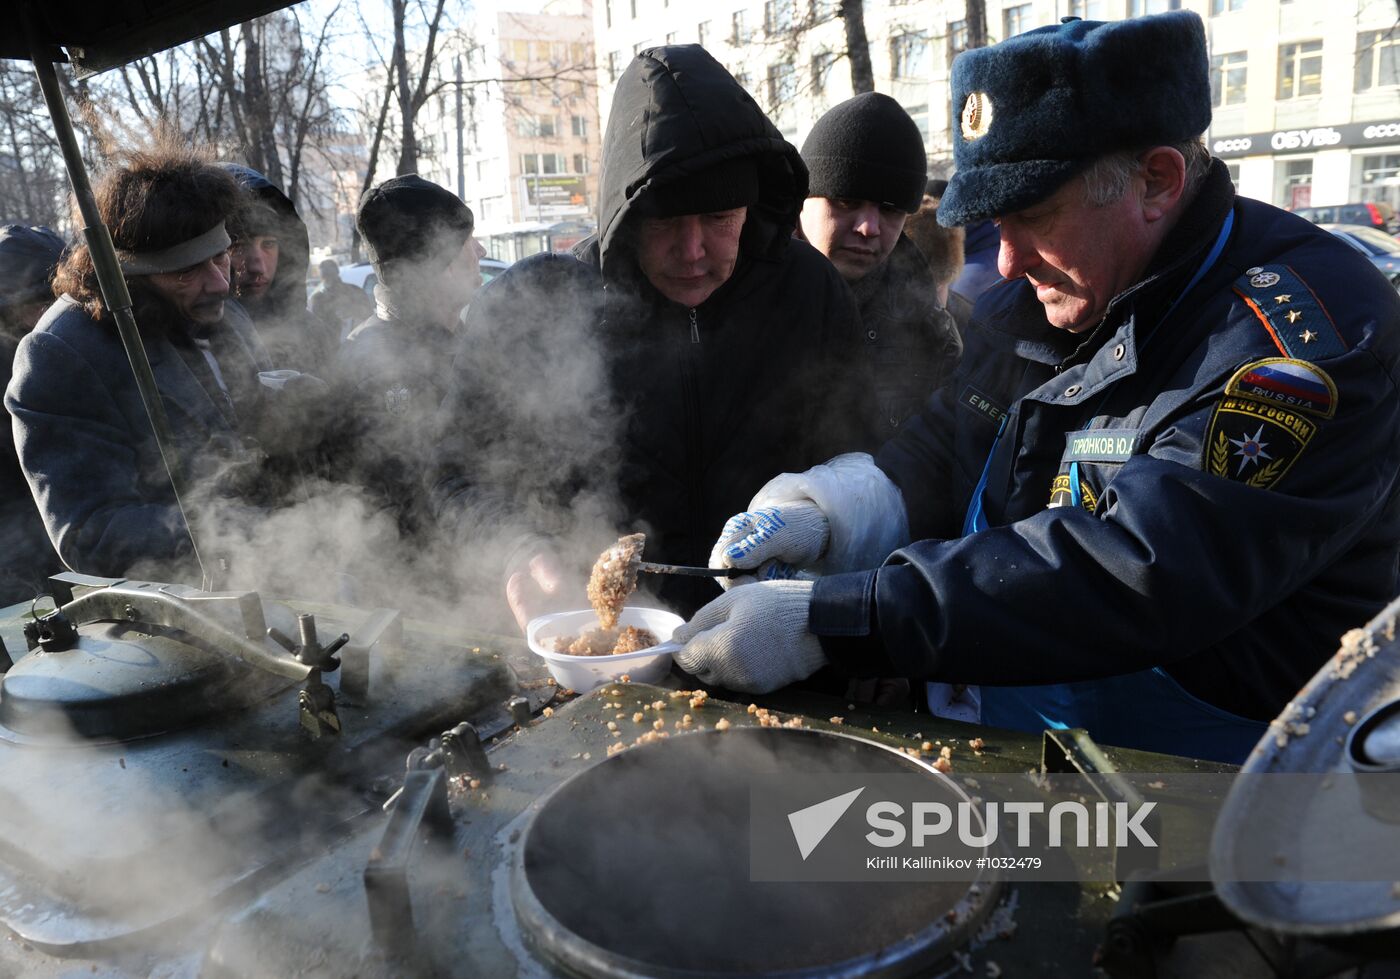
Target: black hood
[[288, 293], [676, 112]]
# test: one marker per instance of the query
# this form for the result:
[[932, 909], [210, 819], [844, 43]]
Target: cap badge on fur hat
[[976, 115]]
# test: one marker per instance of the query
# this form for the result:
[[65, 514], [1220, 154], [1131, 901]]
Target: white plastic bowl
[[585, 673]]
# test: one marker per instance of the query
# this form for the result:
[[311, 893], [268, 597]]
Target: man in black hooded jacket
[[270, 256], [689, 345]]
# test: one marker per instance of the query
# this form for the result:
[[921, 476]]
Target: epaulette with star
[[1294, 317]]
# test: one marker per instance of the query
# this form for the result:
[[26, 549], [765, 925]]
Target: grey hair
[[1109, 177]]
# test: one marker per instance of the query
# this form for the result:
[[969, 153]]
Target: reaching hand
[[537, 591], [752, 639]]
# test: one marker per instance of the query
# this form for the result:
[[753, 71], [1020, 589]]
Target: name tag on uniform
[[1100, 445], [982, 405]]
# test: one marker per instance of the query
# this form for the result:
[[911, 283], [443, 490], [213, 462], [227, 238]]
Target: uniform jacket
[[910, 340], [1235, 507], [87, 447], [673, 413]]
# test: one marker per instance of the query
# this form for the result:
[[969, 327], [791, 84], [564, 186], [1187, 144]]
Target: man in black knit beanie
[[867, 169]]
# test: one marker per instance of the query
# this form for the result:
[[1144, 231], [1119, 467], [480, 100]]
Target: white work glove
[[844, 515], [752, 639], [775, 541]]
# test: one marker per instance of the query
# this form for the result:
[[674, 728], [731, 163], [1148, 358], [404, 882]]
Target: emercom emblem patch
[[1254, 441], [1060, 494]]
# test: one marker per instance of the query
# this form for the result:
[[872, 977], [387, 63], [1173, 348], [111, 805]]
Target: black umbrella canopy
[[101, 36], [98, 37]]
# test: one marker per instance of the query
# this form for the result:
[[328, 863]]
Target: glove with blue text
[[775, 541]]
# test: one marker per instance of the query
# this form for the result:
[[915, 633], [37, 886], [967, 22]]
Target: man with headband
[[1166, 478], [82, 433]]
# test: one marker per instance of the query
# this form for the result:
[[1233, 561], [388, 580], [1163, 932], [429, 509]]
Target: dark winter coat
[[1238, 464], [292, 336], [631, 412], [910, 340], [389, 378], [86, 443], [26, 556]]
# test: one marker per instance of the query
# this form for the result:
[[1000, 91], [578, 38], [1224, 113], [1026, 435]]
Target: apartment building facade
[[1307, 92], [514, 129]]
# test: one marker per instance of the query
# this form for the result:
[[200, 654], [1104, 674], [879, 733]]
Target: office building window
[[1377, 179], [777, 16], [919, 113], [671, 38], [543, 163], [1234, 171], [1089, 9], [1377, 60], [536, 126], [1015, 20], [782, 84], [1141, 8], [957, 39], [909, 55], [739, 34], [1293, 183], [1299, 69], [613, 58], [580, 163], [1228, 73], [1225, 6], [702, 33], [580, 125]]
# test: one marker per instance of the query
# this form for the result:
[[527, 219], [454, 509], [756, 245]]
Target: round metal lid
[[640, 866], [1319, 792], [121, 682]]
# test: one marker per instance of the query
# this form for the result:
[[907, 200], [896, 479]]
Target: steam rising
[[525, 453]]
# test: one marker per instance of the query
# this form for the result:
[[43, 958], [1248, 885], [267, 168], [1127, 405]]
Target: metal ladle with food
[[613, 578]]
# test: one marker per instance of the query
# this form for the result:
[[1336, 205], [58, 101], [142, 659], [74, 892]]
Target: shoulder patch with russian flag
[[1282, 380]]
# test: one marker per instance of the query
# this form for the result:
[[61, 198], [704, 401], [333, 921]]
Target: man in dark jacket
[[1166, 480], [337, 304], [81, 430], [692, 343], [270, 256], [28, 257], [391, 372], [867, 169]]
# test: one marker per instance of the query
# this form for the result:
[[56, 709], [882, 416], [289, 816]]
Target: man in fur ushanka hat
[[1166, 477]]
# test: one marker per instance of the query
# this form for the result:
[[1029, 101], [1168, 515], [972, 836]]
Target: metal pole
[[109, 273], [461, 126]]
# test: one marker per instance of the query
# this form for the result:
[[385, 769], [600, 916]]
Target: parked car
[[1382, 249], [362, 274], [1371, 214]]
